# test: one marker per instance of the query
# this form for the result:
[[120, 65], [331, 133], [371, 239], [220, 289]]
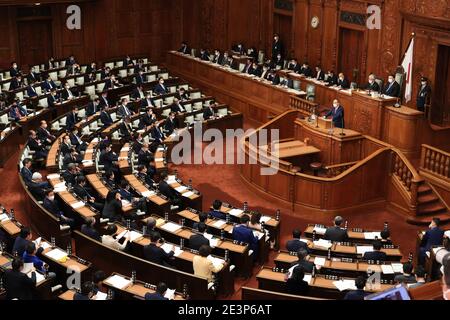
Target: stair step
[[425, 220], [427, 198], [433, 208], [424, 189]]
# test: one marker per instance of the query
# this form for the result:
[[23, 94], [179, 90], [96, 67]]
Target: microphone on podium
[[342, 134]]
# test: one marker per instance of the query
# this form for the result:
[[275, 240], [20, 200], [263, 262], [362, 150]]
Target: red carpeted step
[[433, 208], [424, 189], [427, 199], [425, 220]]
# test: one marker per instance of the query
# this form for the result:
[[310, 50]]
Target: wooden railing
[[435, 161], [304, 106], [337, 169]]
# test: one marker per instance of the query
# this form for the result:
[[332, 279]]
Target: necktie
[[17, 113]]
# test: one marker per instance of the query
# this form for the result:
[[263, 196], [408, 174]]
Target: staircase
[[429, 206]]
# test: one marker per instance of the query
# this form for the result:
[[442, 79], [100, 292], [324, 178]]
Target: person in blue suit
[[295, 243], [215, 212], [243, 233], [159, 294], [433, 237], [31, 91], [337, 112], [359, 293]]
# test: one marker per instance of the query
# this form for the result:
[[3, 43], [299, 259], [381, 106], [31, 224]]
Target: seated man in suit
[[138, 93], [217, 58], [157, 134], [52, 206], [76, 141], [392, 87], [17, 284], [159, 294], [136, 200], [243, 233], [215, 212], [16, 111], [126, 129], [70, 61], [53, 98], [111, 83], [71, 173], [72, 119], [66, 146], [109, 159], [184, 48], [277, 63], [336, 233], [86, 293], [227, 61], [204, 55], [128, 61], [160, 88], [31, 91], [14, 71], [32, 76], [420, 277], [147, 119], [92, 68], [89, 229], [198, 239], [372, 85], [176, 106], [202, 218], [142, 174], [296, 244], [104, 101], [209, 112], [44, 135], [343, 82], [294, 66], [16, 83], [302, 255], [154, 253], [171, 124], [140, 78], [106, 73], [123, 110], [265, 72], [147, 102], [106, 118], [296, 284], [145, 156], [48, 84], [385, 237], [93, 107], [377, 254], [37, 146], [434, 236], [337, 112], [407, 277], [67, 93], [255, 70], [167, 190], [332, 79], [306, 70], [27, 174], [22, 240], [82, 190], [110, 180], [34, 187], [320, 75], [359, 293]]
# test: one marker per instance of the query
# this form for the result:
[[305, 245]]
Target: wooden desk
[[354, 236]]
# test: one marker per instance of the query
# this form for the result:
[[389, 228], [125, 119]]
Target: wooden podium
[[325, 123]]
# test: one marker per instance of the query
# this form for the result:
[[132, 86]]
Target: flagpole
[[413, 35]]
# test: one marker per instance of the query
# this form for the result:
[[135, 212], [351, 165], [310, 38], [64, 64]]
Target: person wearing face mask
[[255, 70], [171, 124], [52, 206], [294, 66], [92, 68], [105, 117], [277, 62], [16, 83], [31, 91], [160, 88], [226, 60], [123, 111], [137, 142], [67, 93], [184, 48], [111, 83], [424, 94], [72, 119], [337, 112], [93, 107], [320, 75], [176, 106], [392, 88], [372, 85], [204, 55], [48, 85], [16, 111], [136, 201], [76, 141], [109, 159], [84, 192], [156, 133], [342, 82], [40, 152], [14, 70], [147, 119], [332, 79], [277, 47], [72, 157], [53, 98], [138, 93], [265, 72], [126, 129], [66, 146], [44, 135], [106, 73], [217, 57], [140, 78], [306, 70]]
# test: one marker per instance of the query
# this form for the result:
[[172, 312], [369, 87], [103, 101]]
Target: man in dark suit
[[14, 70], [255, 70], [294, 66], [53, 98], [140, 78], [37, 146], [433, 237], [86, 292], [84, 192], [17, 284], [306, 70], [156, 133], [104, 102], [138, 93], [407, 277], [16, 111], [336, 233], [160, 88], [70, 61], [154, 253], [302, 255], [147, 119], [31, 91], [147, 102], [106, 73], [277, 47], [337, 112], [67, 94], [72, 119], [424, 94], [126, 129], [243, 233], [16, 83], [92, 68], [72, 157], [105, 118], [76, 141], [93, 107], [204, 55], [44, 135], [215, 212], [159, 293], [51, 206], [392, 88], [320, 75], [111, 83], [123, 111], [32, 76], [176, 106], [128, 61], [377, 254], [89, 229], [217, 58], [332, 79], [167, 190], [48, 84], [198, 239], [209, 112], [343, 82], [22, 241], [372, 85], [108, 158], [359, 293], [277, 62], [248, 67], [296, 244], [171, 124], [184, 48], [25, 172], [144, 176], [145, 156]]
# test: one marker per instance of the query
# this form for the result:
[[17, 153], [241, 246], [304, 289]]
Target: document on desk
[[56, 254], [214, 242], [447, 233], [258, 234], [87, 163], [78, 205], [148, 194], [265, 219], [171, 179], [343, 285], [118, 282], [308, 278], [219, 223], [387, 269], [100, 296], [60, 185], [363, 249], [167, 247], [171, 227], [39, 277], [161, 150], [125, 203], [397, 267], [170, 294], [4, 217], [181, 189], [320, 230], [134, 235], [318, 261], [188, 194], [323, 243], [89, 151], [125, 149], [236, 212], [178, 251], [159, 159], [217, 262], [372, 235], [53, 176]]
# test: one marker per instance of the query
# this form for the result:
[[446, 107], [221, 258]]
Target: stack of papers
[[181, 189], [318, 261], [159, 159], [171, 227], [308, 278], [53, 176], [208, 236], [88, 151], [258, 234], [39, 277], [178, 251], [167, 247], [95, 140], [323, 243], [236, 212], [56, 254], [87, 163], [214, 242], [125, 203], [60, 185], [397, 267], [171, 179], [4, 217], [363, 249], [125, 149], [170, 294], [343, 285], [217, 262], [78, 205], [387, 269], [188, 194], [160, 149], [264, 219], [218, 224], [148, 194], [118, 282], [447, 233], [133, 235], [372, 235], [100, 296], [319, 230]]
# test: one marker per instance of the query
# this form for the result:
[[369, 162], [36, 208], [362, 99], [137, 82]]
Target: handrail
[[435, 161], [337, 169]]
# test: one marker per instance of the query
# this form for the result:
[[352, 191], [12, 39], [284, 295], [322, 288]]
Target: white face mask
[[342, 79], [370, 81], [391, 80], [52, 198], [335, 105]]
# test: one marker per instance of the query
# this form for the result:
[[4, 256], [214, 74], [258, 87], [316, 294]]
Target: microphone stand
[[342, 134]]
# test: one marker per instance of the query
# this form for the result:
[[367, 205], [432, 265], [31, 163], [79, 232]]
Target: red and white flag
[[407, 65]]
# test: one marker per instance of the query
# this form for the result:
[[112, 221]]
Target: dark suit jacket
[[306, 265], [31, 92], [140, 79], [126, 131], [208, 113], [123, 111], [106, 119], [307, 72], [19, 285], [344, 84], [80, 297], [107, 159], [65, 94], [320, 76], [145, 103], [333, 80], [432, 237], [91, 232], [336, 234], [355, 295], [144, 158], [104, 102], [137, 94], [297, 288], [375, 256], [48, 85], [92, 109], [217, 215], [373, 87], [295, 244], [277, 48], [197, 240], [159, 89], [52, 207], [338, 117], [157, 255], [170, 126], [166, 190], [112, 210], [71, 120], [244, 234], [154, 296], [26, 174], [20, 245], [392, 89]]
